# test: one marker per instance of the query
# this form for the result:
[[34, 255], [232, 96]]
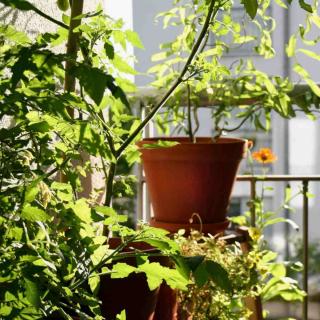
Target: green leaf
[[122, 65], [64, 191], [10, 33], [31, 193], [156, 273], [278, 270], [310, 54], [201, 275], [32, 292], [19, 4], [109, 49], [31, 213], [95, 82], [160, 144], [291, 47], [240, 220], [251, 7], [122, 315], [107, 211], [63, 5], [41, 126], [218, 275], [305, 75], [134, 39], [121, 270], [193, 262], [281, 4], [305, 6], [21, 65], [94, 282], [82, 210]]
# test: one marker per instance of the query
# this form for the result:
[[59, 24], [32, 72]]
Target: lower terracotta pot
[[167, 304], [131, 293]]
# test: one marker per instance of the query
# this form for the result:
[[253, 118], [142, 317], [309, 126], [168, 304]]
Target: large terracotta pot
[[191, 178]]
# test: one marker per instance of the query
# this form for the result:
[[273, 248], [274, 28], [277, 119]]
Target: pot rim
[[199, 140]]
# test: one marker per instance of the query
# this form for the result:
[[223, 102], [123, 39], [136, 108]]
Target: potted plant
[[52, 251], [195, 175]]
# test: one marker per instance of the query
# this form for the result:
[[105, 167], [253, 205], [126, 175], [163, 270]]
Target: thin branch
[[44, 15], [211, 14], [190, 129], [243, 121], [109, 183]]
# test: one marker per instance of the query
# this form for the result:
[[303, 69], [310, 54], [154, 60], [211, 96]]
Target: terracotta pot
[[131, 293], [192, 178], [167, 304]]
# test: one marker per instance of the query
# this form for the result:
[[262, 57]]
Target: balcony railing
[[144, 213]]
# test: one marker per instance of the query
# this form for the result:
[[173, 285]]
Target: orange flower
[[264, 155]]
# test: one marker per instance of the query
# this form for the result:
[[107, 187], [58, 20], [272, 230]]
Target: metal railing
[[253, 180], [305, 180]]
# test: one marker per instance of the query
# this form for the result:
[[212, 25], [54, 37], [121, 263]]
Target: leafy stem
[[212, 11]]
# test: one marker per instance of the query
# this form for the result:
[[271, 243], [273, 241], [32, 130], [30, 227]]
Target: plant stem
[[212, 11], [190, 129], [72, 51], [72, 46], [44, 15], [109, 183]]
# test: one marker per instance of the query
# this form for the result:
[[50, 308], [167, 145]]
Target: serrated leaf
[[156, 273], [107, 211], [218, 275], [251, 7], [193, 262], [291, 47], [12, 34], [278, 270], [31, 213], [31, 193], [122, 65], [82, 210], [95, 82], [122, 315], [134, 39], [109, 49], [201, 275], [122, 270], [94, 283], [32, 292]]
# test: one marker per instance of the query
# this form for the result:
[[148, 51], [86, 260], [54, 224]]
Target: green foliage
[[221, 279], [52, 251], [274, 275], [237, 90]]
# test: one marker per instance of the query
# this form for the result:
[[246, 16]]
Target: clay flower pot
[[131, 293], [191, 178]]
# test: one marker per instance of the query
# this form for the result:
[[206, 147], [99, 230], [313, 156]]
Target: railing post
[[305, 187], [253, 198], [286, 225]]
